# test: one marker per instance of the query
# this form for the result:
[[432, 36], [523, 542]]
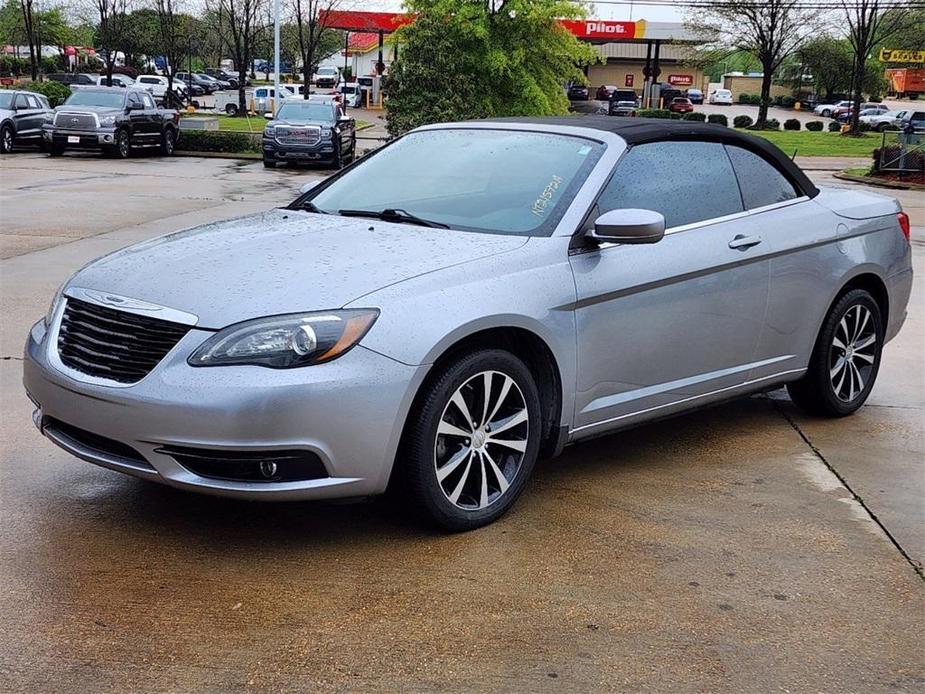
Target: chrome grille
[[75, 121], [106, 343], [287, 135]]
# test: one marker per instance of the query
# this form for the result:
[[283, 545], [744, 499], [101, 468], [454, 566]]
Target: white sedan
[[890, 120], [829, 110], [720, 96]]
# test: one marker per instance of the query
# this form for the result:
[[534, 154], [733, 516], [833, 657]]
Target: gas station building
[[635, 54]]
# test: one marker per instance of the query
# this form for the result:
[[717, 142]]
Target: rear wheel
[[168, 142], [231, 109], [55, 150], [6, 139], [472, 440], [269, 163], [826, 113], [845, 359]]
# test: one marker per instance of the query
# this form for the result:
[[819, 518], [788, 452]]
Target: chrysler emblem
[[121, 301]]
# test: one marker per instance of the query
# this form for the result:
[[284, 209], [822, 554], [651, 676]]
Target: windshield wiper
[[309, 206], [394, 215]]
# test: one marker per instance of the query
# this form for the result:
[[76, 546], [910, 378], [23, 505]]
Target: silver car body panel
[[636, 331]]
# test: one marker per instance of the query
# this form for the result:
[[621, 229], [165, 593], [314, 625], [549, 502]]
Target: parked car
[[158, 85], [695, 96], [720, 97], [879, 120], [70, 78], [843, 113], [112, 120], [829, 110], [313, 130], [257, 99], [218, 84], [845, 116], [913, 120], [353, 94], [222, 74], [605, 91], [22, 114], [578, 92], [194, 80], [118, 80], [326, 77], [625, 95], [397, 322], [622, 108], [681, 104], [669, 94]]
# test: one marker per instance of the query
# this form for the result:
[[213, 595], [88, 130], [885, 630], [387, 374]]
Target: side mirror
[[268, 115], [134, 107], [628, 226], [305, 187]]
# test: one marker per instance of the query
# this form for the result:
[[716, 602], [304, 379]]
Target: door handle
[[742, 242]]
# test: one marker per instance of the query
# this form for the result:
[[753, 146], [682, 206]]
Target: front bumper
[[325, 150], [85, 139], [349, 412]]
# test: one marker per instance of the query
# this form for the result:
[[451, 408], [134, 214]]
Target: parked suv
[[72, 78], [327, 77], [111, 119], [21, 117], [158, 85], [223, 75], [312, 130], [194, 80]]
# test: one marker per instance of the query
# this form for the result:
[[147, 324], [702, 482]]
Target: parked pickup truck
[[110, 119]]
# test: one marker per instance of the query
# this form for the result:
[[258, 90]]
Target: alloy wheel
[[481, 440], [7, 142], [123, 144], [853, 353]]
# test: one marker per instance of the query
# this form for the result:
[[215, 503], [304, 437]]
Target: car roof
[[642, 130]]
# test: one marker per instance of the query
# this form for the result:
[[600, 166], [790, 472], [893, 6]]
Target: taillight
[[903, 220]]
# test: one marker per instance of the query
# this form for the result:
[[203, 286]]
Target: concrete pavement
[[742, 548]]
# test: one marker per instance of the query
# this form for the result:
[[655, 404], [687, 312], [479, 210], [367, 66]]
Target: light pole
[[275, 57]]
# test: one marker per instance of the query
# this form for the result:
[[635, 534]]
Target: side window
[[33, 101], [260, 93], [22, 102], [761, 183], [686, 181], [148, 101], [134, 100]]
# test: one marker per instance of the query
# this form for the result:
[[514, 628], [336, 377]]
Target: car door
[[140, 129], [36, 116], [154, 119], [23, 116], [800, 236], [673, 322]]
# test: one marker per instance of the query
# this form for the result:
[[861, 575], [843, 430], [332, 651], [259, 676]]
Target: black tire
[[123, 148], [424, 447], [827, 390], [6, 139], [168, 142], [231, 109], [55, 150], [337, 162], [269, 163]]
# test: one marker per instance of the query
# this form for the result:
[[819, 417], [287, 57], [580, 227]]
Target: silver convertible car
[[466, 299]]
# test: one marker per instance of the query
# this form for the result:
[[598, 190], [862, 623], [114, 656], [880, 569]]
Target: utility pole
[[275, 57]]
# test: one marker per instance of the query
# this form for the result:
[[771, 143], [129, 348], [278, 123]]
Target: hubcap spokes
[[853, 352], [481, 440]]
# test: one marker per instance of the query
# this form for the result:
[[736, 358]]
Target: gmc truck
[[112, 120]]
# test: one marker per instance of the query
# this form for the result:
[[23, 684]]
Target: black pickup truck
[[113, 120]]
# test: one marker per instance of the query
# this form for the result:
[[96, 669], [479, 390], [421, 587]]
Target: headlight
[[50, 117], [107, 120], [326, 132], [282, 342], [50, 314]]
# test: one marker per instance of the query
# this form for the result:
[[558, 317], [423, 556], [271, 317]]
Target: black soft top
[[641, 130]]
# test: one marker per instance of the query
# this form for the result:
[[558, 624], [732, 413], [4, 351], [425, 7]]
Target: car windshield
[[306, 110], [495, 181], [6, 100], [327, 71], [94, 98]]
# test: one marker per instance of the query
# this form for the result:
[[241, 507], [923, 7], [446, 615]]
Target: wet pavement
[[741, 548]]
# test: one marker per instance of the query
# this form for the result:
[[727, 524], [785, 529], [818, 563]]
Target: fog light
[[267, 468], [107, 138]]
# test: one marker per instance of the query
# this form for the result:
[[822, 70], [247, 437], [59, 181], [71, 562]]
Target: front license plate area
[[73, 139]]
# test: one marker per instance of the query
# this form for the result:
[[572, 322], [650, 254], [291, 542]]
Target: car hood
[[299, 123], [101, 110], [280, 261]]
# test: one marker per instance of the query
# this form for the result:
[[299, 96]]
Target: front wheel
[[472, 440], [168, 142], [6, 139], [123, 147], [231, 109], [826, 113], [845, 359]]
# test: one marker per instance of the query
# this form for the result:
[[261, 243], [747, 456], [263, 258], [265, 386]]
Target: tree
[[31, 31], [316, 39], [869, 23], [174, 34], [111, 31], [464, 59], [771, 30], [239, 24]]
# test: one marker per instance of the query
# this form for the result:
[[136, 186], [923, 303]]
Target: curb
[[870, 180], [247, 156]]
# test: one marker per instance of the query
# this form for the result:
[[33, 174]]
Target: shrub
[[697, 116], [654, 113], [834, 126], [742, 121], [791, 124], [864, 127], [718, 119], [745, 98], [217, 141], [815, 125], [11, 65], [771, 124], [54, 91], [674, 116], [787, 101]]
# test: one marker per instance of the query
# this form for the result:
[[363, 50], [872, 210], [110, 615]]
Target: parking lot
[[745, 547]]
